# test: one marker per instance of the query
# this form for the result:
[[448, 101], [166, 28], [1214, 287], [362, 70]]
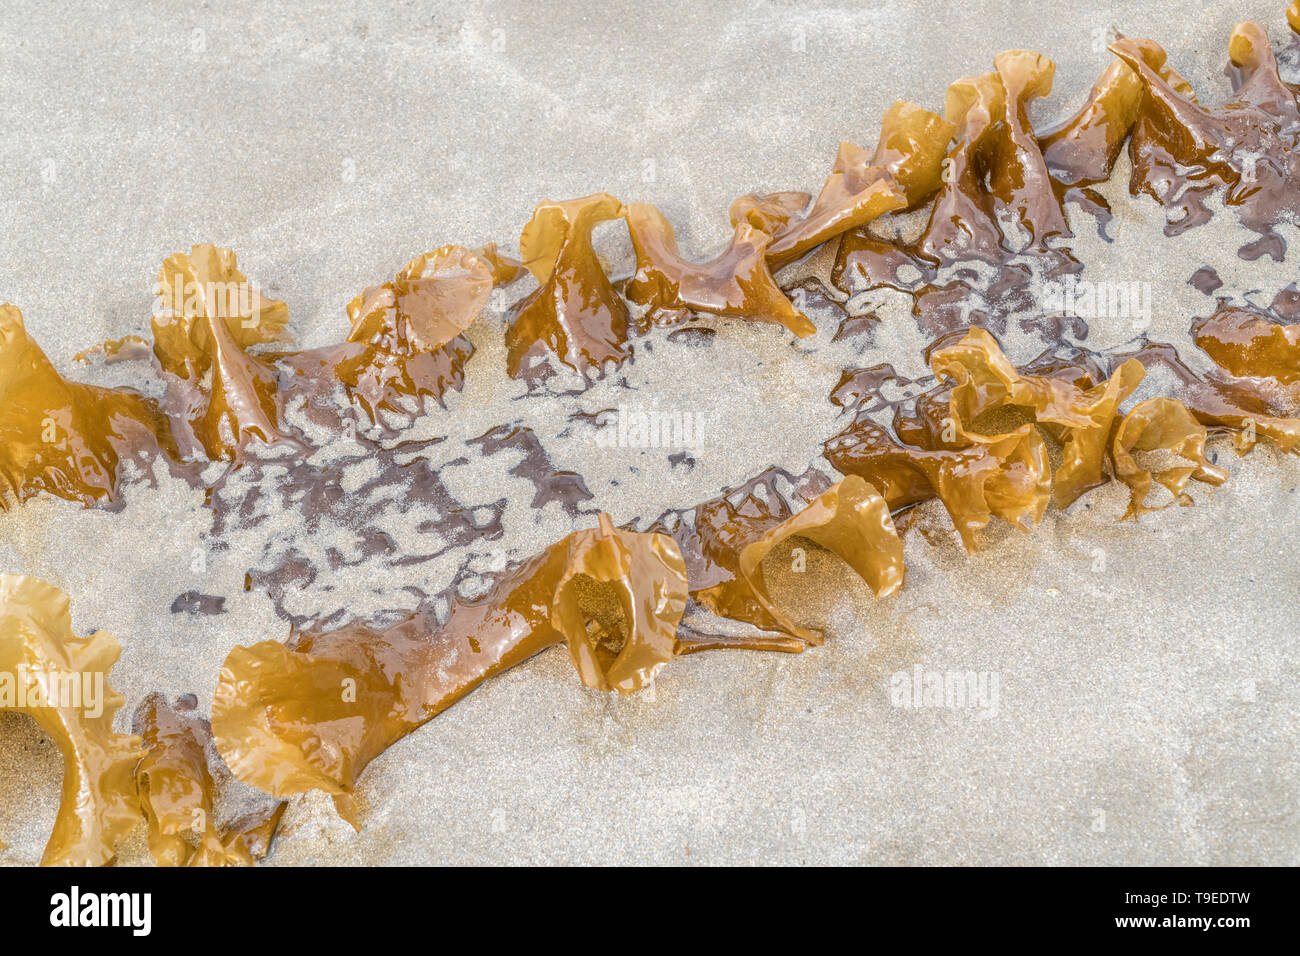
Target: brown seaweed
[[207, 318], [1082, 151], [725, 540], [770, 213], [997, 201], [505, 268], [973, 439], [1018, 174], [1085, 449], [900, 173], [1161, 424], [177, 792], [1226, 406], [908, 475], [312, 714], [65, 438], [574, 316], [737, 282], [1247, 151], [1246, 341], [407, 337], [61, 681]]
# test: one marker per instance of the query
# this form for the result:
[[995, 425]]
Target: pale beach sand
[[1147, 672]]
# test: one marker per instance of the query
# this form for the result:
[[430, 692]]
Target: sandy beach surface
[[1146, 673]]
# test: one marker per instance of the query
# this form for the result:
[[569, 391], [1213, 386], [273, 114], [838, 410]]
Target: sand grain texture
[[1147, 708]]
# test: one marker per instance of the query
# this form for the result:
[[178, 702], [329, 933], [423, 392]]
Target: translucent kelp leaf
[[973, 440], [726, 539], [177, 792], [996, 170], [912, 145], [965, 480], [984, 379], [851, 520], [61, 680], [406, 338], [1161, 425], [1084, 148], [194, 290], [640, 582], [996, 206], [962, 224], [738, 282], [1250, 342], [1293, 15], [1084, 447], [1248, 150], [575, 315], [437, 296], [1018, 173], [1016, 489], [1226, 405], [856, 192], [903, 171], [770, 213], [312, 714], [1082, 419], [505, 268], [208, 315], [63, 437]]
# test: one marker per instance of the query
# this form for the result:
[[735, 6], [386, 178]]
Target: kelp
[[1161, 424], [194, 291], [65, 438], [208, 316], [912, 144], [61, 681], [1081, 419], [407, 337], [1083, 150], [908, 475], [973, 441], [1084, 448], [996, 171], [1018, 176], [770, 213], [900, 173], [737, 282], [1246, 151], [574, 316], [1247, 341], [312, 714], [1223, 405], [996, 203], [177, 792], [724, 541], [505, 268]]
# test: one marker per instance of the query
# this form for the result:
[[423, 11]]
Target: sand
[[1146, 709]]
